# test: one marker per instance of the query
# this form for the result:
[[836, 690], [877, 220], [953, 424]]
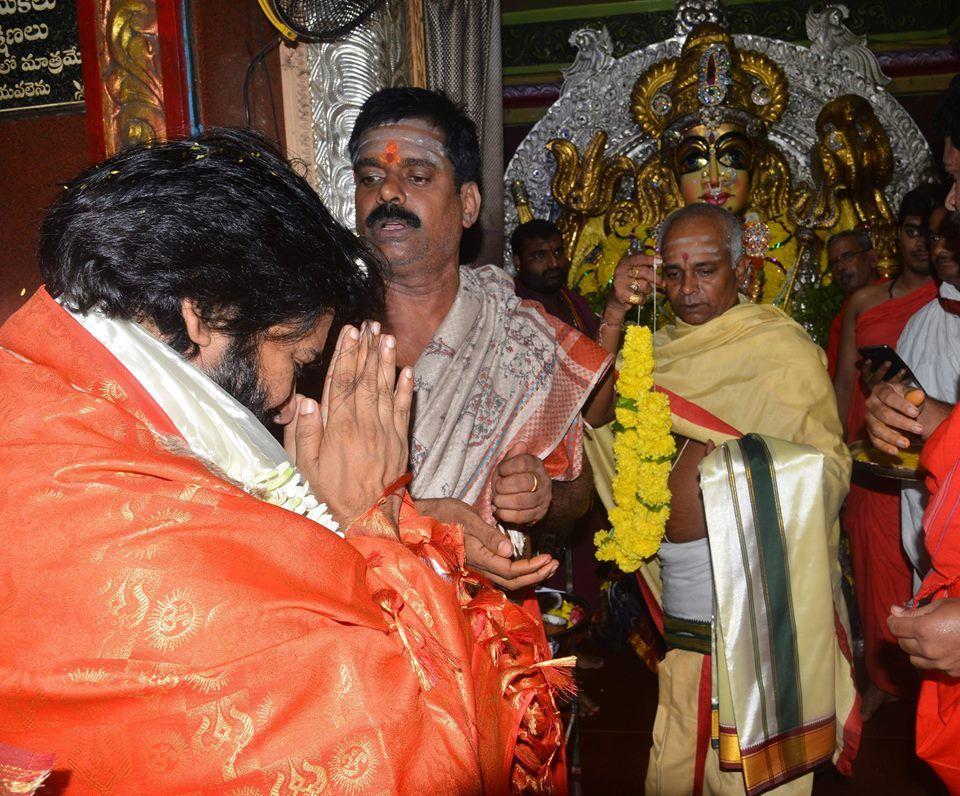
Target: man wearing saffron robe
[[731, 370], [882, 572], [498, 382], [542, 267], [851, 259], [189, 606]]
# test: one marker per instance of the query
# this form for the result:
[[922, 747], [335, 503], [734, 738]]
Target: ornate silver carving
[[604, 103], [691, 13], [829, 36], [297, 109], [342, 75], [594, 55]]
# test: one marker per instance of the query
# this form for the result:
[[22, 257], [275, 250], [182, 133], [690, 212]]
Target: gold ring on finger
[[634, 272], [536, 482]]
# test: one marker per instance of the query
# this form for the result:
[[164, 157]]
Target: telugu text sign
[[39, 55]]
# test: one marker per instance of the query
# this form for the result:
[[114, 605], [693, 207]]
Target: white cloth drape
[[930, 345]]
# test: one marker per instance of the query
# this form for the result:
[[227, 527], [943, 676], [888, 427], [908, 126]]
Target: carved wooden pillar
[[134, 72]]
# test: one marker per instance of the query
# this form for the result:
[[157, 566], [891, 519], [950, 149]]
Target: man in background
[[930, 347], [876, 315], [852, 261], [929, 630], [542, 266]]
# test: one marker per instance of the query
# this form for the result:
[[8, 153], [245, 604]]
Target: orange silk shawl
[[938, 709], [164, 631]]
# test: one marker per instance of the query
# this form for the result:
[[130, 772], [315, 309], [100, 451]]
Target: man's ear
[[470, 201], [197, 330]]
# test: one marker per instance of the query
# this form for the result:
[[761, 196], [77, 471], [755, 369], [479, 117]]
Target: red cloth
[[833, 339], [938, 720], [566, 304], [882, 325], [164, 630], [871, 516]]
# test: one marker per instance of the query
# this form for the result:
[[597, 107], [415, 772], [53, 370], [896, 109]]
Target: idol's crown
[[712, 82]]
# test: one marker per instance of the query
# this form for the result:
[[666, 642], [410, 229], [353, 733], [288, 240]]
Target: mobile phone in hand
[[879, 355]]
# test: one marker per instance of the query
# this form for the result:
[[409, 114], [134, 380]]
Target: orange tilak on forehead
[[391, 152]]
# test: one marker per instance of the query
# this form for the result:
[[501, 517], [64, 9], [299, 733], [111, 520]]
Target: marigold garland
[[643, 449]]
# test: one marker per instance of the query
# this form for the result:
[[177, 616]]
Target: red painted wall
[[38, 153], [226, 35]]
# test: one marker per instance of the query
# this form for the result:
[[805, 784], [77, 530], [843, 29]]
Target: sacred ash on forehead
[[384, 142]]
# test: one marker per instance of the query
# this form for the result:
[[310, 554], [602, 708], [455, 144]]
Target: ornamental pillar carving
[[134, 72], [325, 84]]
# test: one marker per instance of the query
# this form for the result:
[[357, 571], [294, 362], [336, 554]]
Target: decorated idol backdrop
[[799, 141]]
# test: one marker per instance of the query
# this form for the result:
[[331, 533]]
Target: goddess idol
[[791, 139]]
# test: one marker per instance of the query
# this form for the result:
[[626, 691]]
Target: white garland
[[285, 487]]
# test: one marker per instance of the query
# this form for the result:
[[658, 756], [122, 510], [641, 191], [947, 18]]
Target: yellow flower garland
[[643, 448]]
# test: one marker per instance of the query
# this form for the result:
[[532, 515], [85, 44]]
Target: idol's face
[[543, 264], [407, 200], [713, 166], [912, 243], [944, 238], [699, 276]]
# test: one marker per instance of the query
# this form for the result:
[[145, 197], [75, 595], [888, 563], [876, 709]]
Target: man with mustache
[[876, 315], [851, 259], [498, 383], [189, 607], [755, 422], [542, 266]]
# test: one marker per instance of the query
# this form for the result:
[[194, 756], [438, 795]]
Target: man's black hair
[[946, 119], [537, 229], [391, 105], [861, 235], [220, 219], [921, 201]]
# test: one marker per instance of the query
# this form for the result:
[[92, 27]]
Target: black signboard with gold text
[[39, 55]]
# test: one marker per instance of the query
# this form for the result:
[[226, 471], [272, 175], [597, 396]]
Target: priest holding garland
[[756, 689]]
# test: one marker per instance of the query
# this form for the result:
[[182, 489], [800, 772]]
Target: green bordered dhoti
[[774, 639]]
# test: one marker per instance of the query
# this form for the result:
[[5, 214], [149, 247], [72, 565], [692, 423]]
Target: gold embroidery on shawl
[[175, 618], [87, 675], [222, 726], [46, 496], [353, 765], [164, 754], [301, 779], [112, 391]]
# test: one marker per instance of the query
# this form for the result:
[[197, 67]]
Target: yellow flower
[[642, 448]]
